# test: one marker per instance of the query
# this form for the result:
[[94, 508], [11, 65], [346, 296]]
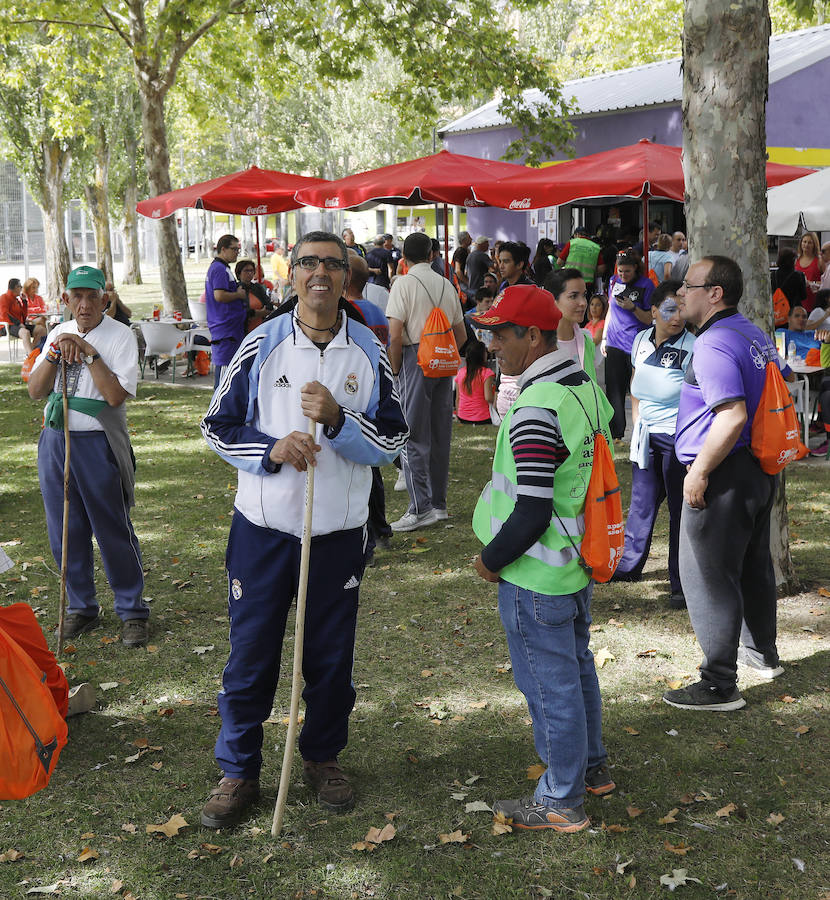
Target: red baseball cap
[[522, 304]]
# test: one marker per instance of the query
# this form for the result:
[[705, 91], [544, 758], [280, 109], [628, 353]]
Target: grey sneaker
[[75, 624], [529, 815], [703, 695], [748, 660], [412, 521], [135, 633], [598, 780]]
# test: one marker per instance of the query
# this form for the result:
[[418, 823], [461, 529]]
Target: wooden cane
[[299, 634], [65, 536]]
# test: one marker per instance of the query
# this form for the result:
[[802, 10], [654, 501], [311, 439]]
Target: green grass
[[422, 611]]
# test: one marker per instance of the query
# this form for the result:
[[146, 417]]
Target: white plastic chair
[[198, 311], [13, 342], [162, 338], [800, 390]]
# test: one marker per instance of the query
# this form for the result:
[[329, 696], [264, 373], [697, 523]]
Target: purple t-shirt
[[225, 320], [621, 325], [728, 363]]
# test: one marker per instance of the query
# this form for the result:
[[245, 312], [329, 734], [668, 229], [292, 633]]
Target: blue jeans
[[553, 667]]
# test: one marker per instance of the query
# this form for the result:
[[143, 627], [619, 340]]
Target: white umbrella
[[806, 199]]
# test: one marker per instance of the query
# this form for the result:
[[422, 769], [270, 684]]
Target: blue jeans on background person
[[548, 638]]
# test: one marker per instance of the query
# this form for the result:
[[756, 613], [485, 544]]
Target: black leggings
[[617, 382]]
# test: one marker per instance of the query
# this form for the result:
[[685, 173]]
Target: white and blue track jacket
[[258, 402]]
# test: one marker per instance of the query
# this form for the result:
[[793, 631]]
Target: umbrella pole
[[259, 273], [645, 233], [446, 242]]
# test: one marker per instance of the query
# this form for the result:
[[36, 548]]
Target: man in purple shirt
[[725, 562], [227, 304]]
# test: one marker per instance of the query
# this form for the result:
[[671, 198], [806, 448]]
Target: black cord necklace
[[332, 328]]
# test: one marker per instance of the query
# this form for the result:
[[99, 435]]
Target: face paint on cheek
[[668, 309]]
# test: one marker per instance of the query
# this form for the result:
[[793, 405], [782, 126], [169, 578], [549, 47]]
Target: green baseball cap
[[86, 277]]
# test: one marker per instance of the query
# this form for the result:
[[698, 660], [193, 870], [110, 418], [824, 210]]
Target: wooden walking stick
[[65, 536], [299, 635]]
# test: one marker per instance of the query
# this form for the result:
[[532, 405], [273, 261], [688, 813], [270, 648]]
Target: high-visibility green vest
[[552, 564], [582, 255]]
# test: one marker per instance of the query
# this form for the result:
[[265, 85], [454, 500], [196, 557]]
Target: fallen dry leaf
[[677, 878], [87, 853], [501, 824], [669, 818], [775, 818], [630, 730], [454, 837], [602, 656], [170, 828], [379, 835], [477, 806], [786, 698], [680, 849], [236, 861], [116, 886], [674, 685], [536, 771], [128, 827], [426, 673], [824, 592], [11, 855], [633, 812], [364, 846], [156, 765], [108, 685], [646, 654], [802, 729], [616, 829], [726, 811], [478, 704]]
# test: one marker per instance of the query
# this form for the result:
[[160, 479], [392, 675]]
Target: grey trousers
[[427, 406], [726, 568]]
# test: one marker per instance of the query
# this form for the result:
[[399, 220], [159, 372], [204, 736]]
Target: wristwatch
[[90, 359]]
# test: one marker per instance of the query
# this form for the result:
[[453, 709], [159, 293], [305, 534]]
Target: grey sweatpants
[[427, 406], [726, 568]]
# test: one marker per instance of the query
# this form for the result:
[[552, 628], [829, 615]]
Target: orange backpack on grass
[[602, 543], [32, 727]]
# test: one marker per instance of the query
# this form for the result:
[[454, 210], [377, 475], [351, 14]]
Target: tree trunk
[[129, 226], [173, 286], [97, 202], [55, 164], [725, 82]]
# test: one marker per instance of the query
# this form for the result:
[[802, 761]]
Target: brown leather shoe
[[229, 802], [330, 784]]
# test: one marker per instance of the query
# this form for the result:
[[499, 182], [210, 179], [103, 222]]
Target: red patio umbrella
[[640, 171], [253, 192], [443, 177]]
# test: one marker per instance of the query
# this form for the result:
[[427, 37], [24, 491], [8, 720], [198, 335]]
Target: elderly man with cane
[[311, 362], [101, 359]]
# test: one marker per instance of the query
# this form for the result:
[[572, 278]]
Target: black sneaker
[[749, 661], [677, 600], [598, 780], [135, 633], [529, 815], [75, 624], [703, 695]]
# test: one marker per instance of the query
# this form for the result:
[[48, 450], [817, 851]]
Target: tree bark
[[129, 225], [55, 163], [97, 202], [725, 84], [173, 286]]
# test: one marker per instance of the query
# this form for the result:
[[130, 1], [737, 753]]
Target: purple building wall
[[794, 119]]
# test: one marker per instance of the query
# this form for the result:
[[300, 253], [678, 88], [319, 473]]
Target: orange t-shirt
[[11, 307], [37, 306]]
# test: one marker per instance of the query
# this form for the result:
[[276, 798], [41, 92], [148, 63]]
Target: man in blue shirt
[[227, 304]]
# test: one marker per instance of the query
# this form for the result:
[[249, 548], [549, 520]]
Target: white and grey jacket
[[258, 402]]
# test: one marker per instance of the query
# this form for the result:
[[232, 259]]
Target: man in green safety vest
[[531, 519], [582, 253]]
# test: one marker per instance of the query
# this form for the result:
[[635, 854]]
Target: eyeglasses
[[330, 263], [691, 287]]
